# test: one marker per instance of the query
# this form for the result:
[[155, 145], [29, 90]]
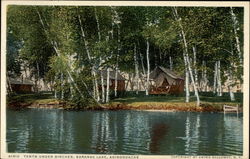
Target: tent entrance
[[164, 88]]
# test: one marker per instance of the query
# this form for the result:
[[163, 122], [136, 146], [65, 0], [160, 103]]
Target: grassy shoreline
[[149, 103]]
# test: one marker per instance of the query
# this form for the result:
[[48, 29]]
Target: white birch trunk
[[193, 82], [219, 93], [236, 28], [127, 83], [107, 89], [202, 82], [116, 75], [205, 79], [186, 80], [132, 81], [215, 77], [55, 95], [230, 76], [99, 38], [103, 90], [142, 64], [148, 70], [195, 68], [136, 70], [38, 76], [117, 21], [71, 90], [187, 57], [117, 59], [62, 90], [95, 84], [170, 63], [54, 45]]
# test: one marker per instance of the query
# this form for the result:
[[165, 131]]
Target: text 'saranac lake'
[[124, 132]]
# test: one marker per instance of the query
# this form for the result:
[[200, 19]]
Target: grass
[[208, 101], [30, 98], [130, 100]]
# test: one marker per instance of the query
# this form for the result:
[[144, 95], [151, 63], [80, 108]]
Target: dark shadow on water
[[159, 131]]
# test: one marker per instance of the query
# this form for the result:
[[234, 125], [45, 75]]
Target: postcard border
[[3, 145]]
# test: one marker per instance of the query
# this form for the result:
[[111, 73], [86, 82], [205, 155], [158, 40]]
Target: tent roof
[[112, 75], [168, 72], [21, 82]]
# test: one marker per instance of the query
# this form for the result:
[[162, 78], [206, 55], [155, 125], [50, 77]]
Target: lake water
[[124, 132]]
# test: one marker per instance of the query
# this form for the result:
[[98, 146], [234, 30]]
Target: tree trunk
[[95, 84], [38, 76], [55, 95], [193, 82], [54, 45], [219, 93], [142, 64], [116, 20], [215, 77], [236, 27], [170, 63], [136, 70], [148, 70], [103, 89], [71, 90], [127, 84], [230, 76], [107, 89], [132, 81], [116, 75], [187, 56], [195, 68], [99, 39], [186, 80], [62, 89], [9, 84], [117, 60], [205, 78]]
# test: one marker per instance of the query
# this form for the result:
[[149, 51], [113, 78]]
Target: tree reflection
[[159, 131]]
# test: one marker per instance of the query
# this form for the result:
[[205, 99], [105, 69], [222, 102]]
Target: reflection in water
[[124, 132], [136, 133], [159, 130], [192, 135]]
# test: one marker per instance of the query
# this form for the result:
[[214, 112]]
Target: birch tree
[[136, 69], [186, 56], [117, 21], [93, 71], [236, 29], [148, 68]]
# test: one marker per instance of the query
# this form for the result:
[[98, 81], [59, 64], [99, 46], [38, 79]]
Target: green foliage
[[49, 41]]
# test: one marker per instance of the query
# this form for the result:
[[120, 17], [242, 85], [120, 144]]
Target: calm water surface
[[124, 132]]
